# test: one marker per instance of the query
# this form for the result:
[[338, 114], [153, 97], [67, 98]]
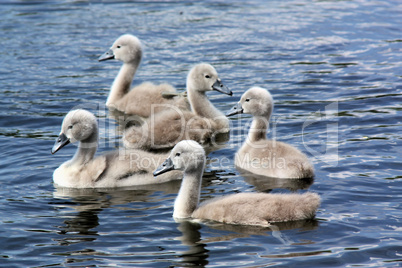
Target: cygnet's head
[[127, 48], [187, 155], [78, 125], [203, 77], [256, 101]]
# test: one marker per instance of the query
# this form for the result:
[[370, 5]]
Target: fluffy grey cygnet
[[260, 155], [242, 208], [165, 129], [139, 100], [113, 169]]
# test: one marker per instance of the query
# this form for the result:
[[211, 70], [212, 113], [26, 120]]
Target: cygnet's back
[[262, 156], [165, 129], [259, 208], [273, 158]]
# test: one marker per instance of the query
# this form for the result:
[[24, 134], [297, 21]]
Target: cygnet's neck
[[122, 83], [86, 150], [258, 129], [189, 195], [201, 106]]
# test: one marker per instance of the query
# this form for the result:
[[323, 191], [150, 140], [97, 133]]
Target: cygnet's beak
[[218, 86], [165, 167], [237, 109], [108, 55], [61, 141]]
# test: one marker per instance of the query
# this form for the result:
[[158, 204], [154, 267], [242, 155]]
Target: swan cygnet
[[144, 99], [241, 208], [265, 157], [165, 129], [113, 169]]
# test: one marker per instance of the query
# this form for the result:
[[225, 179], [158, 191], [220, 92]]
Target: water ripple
[[333, 68]]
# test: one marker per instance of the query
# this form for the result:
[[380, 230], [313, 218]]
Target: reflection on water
[[197, 254], [80, 211], [266, 184], [79, 228], [274, 228], [92, 199], [309, 54]]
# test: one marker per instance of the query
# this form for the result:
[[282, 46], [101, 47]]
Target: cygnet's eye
[[118, 46], [177, 154], [247, 100], [70, 126], [207, 76]]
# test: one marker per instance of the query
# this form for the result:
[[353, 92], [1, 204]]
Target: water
[[333, 67]]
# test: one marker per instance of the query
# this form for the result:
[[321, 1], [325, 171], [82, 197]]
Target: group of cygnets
[[184, 122]]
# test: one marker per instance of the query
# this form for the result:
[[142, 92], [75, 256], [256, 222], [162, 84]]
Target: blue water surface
[[334, 69]]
